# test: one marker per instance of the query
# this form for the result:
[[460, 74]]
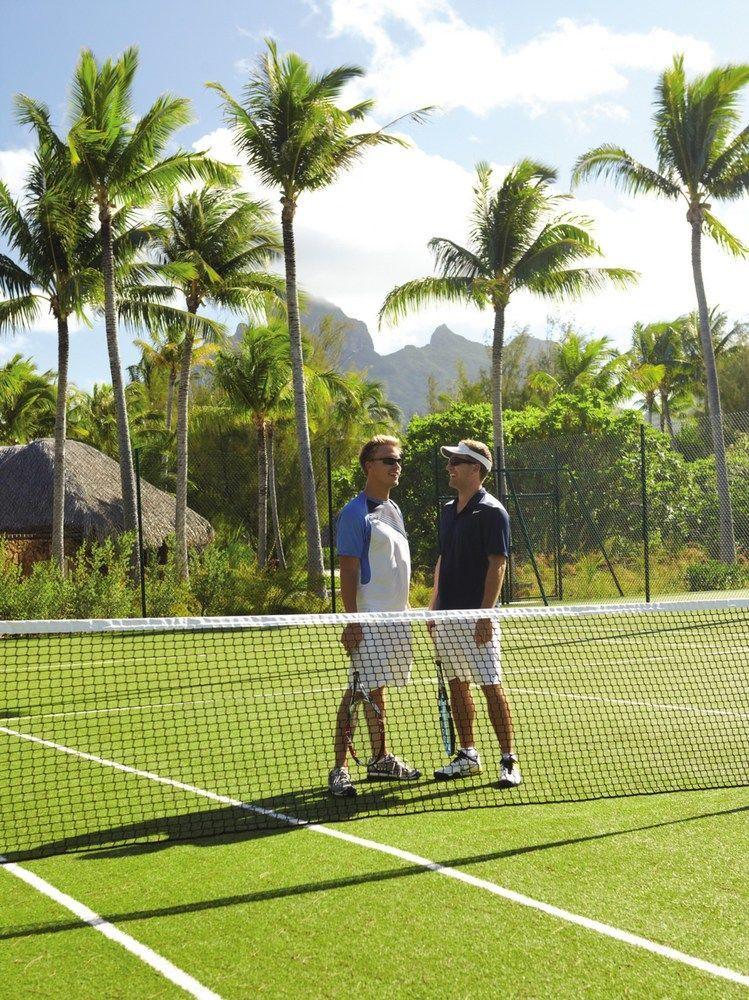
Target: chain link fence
[[627, 514]]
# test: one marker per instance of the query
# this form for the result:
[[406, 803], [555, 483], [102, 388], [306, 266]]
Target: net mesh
[[121, 732]]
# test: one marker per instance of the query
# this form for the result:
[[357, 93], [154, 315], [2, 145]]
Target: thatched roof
[[93, 496]]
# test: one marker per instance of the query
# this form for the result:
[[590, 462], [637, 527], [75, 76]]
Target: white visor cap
[[464, 451]]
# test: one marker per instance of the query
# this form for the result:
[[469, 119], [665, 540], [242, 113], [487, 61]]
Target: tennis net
[[115, 733]]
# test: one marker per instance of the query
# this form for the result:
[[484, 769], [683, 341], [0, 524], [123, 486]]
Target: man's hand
[[483, 631], [351, 636]]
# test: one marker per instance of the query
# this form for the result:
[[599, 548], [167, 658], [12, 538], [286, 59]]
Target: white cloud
[[423, 53], [368, 232], [13, 166]]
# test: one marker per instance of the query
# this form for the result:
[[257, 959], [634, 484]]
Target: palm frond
[[416, 294], [723, 236], [20, 312], [611, 162], [576, 282]]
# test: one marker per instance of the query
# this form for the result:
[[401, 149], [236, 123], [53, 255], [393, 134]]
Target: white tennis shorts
[[384, 656], [455, 645]]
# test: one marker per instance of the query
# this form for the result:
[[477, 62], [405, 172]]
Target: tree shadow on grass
[[343, 881]]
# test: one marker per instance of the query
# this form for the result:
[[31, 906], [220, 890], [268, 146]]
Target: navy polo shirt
[[467, 539]]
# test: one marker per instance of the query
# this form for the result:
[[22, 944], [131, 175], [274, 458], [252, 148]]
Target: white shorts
[[456, 647], [384, 656]]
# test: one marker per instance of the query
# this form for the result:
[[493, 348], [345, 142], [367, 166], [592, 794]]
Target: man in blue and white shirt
[[375, 574]]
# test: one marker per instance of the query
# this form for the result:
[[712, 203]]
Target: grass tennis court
[[608, 706]]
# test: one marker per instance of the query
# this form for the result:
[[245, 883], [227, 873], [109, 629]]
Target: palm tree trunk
[[315, 565], [273, 499], [727, 535], [498, 343], [127, 471], [662, 413], [58, 487], [170, 398], [262, 496], [667, 416], [180, 510]]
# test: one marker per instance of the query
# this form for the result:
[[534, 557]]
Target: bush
[[714, 575]]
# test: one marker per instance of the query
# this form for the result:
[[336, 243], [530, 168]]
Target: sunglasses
[[462, 461], [389, 460]]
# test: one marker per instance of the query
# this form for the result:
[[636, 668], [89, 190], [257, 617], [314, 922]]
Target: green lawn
[[603, 706]]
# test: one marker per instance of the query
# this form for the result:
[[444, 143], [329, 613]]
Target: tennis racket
[[447, 729], [359, 695]]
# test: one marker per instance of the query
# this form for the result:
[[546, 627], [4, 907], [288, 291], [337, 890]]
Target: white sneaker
[[340, 784], [463, 765], [509, 772]]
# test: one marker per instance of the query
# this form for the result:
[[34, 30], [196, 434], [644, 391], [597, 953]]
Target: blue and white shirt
[[373, 532]]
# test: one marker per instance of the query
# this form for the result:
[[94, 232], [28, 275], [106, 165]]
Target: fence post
[[558, 528], [436, 473], [139, 513], [505, 594], [331, 539], [645, 525]]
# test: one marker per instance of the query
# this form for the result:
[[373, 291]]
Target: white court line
[[663, 706], [157, 962], [607, 930], [273, 694]]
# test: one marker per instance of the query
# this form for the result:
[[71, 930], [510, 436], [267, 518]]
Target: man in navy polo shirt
[[474, 547]]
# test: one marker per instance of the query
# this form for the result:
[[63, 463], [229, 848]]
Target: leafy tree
[[516, 241], [294, 135], [118, 162], [217, 244], [700, 157]]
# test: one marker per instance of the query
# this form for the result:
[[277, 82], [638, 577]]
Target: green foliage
[[225, 580], [97, 585], [711, 574]]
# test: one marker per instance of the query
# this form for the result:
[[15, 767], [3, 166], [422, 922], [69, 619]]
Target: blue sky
[[536, 79]]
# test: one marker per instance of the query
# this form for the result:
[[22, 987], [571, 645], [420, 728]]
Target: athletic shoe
[[463, 765], [390, 768], [340, 784], [509, 772]]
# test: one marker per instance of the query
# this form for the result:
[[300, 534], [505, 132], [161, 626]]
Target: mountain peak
[[442, 334]]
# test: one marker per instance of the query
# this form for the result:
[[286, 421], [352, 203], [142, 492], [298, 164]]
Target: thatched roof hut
[[93, 497]]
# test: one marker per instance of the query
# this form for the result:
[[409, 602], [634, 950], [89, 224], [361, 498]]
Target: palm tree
[[53, 269], [27, 401], [584, 361], [118, 162], [255, 377], [218, 243], [162, 352], [516, 242], [296, 138], [722, 338], [700, 157]]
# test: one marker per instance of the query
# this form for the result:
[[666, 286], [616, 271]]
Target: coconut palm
[[27, 401], [162, 352], [297, 139], [517, 241], [53, 269], [580, 361], [119, 162], [722, 336], [218, 242], [701, 156], [255, 377]]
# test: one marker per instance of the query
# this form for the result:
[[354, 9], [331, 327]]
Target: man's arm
[[492, 586], [349, 577], [435, 585], [495, 574]]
